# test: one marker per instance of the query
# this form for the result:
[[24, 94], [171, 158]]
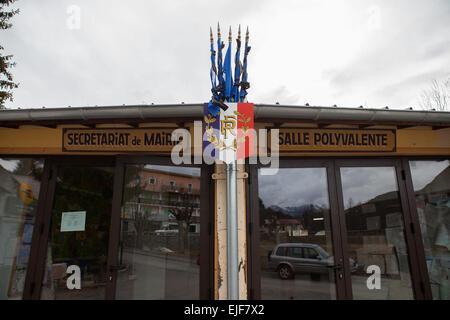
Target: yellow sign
[[118, 139], [25, 193], [336, 140]]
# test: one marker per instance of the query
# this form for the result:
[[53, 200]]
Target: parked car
[[172, 229], [287, 259], [168, 229]]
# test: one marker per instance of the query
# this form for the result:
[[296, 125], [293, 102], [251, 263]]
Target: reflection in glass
[[431, 181], [19, 193], [159, 249], [296, 251], [375, 232], [85, 191]]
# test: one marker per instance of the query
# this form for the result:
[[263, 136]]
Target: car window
[[322, 252], [310, 253], [281, 251], [295, 252]]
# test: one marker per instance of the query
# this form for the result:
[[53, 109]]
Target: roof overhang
[[135, 114]]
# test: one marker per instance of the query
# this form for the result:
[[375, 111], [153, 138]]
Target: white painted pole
[[232, 233]]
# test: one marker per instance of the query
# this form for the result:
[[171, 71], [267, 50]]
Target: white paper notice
[[73, 221]]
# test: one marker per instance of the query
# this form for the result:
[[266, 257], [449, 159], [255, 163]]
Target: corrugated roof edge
[[262, 111]]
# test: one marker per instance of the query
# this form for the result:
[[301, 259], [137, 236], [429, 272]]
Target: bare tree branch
[[436, 97]]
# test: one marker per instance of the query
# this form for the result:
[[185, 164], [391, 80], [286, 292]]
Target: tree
[[133, 196], [30, 166], [182, 210], [436, 97], [6, 79]]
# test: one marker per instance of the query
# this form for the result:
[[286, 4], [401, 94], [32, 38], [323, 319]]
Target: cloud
[[341, 52], [294, 187], [280, 94], [396, 62]]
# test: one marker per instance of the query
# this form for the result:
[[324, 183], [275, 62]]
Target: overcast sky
[[293, 187], [349, 53]]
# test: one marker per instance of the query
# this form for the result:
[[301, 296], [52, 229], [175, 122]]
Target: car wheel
[[285, 272]]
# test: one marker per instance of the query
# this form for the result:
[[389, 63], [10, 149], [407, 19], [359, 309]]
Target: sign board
[[73, 221], [336, 140], [118, 140]]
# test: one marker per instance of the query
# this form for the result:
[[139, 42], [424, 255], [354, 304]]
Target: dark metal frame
[[418, 241], [406, 216], [30, 282], [416, 256], [38, 252]]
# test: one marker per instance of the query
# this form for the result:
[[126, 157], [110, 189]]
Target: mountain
[[295, 212]]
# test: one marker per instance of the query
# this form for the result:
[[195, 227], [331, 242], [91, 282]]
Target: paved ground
[[165, 276], [303, 287], [158, 277]]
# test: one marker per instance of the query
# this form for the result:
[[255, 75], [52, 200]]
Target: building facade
[[353, 205]]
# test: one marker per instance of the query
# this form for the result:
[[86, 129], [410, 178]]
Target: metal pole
[[232, 234]]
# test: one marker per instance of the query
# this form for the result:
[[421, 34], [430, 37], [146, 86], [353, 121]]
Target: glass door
[[159, 245], [74, 247], [298, 247], [431, 202], [376, 235]]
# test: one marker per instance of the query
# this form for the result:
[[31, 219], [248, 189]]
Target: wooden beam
[[10, 126], [364, 126], [439, 127], [322, 125], [89, 125], [277, 125], [133, 124]]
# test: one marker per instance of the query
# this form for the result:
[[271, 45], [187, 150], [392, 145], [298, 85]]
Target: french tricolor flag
[[229, 135]]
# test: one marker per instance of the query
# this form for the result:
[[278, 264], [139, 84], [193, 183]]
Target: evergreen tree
[[6, 79]]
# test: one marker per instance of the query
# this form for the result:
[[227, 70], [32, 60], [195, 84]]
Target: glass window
[[431, 181], [375, 233], [295, 197], [295, 252], [309, 253], [79, 233], [160, 257], [19, 192], [281, 251]]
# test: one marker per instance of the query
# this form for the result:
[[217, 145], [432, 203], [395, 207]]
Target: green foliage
[[6, 80]]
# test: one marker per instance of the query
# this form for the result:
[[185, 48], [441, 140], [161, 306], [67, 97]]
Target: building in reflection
[[19, 191], [376, 226], [160, 194], [291, 221], [161, 209]]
